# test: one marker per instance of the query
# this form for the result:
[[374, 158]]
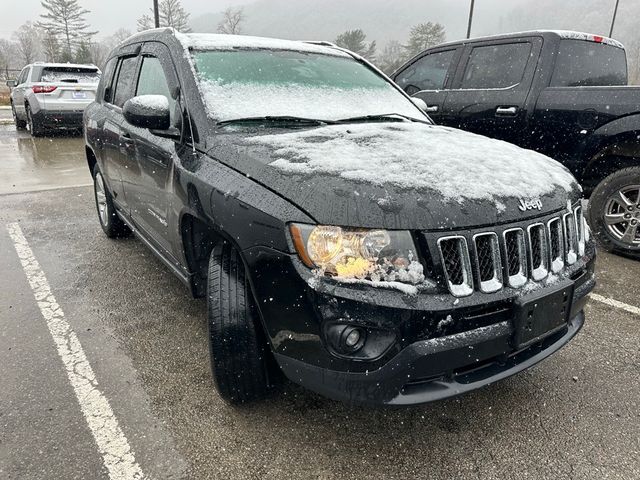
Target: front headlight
[[374, 255]]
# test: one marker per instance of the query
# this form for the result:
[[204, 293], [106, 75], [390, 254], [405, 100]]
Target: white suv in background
[[52, 95]]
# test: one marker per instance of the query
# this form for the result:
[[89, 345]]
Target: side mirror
[[148, 111], [418, 102], [12, 83]]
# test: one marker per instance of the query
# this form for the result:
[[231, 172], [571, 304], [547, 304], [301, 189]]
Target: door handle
[[506, 111], [431, 108], [125, 139]]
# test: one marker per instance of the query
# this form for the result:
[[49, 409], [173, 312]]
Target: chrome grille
[[492, 261], [488, 263], [454, 254]]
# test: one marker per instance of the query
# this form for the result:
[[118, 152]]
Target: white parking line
[[615, 303], [112, 444]]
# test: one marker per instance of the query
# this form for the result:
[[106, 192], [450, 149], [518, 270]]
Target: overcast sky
[[106, 15]]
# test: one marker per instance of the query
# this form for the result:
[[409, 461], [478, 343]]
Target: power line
[[613, 20]]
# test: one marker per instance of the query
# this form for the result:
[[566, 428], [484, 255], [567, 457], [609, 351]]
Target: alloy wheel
[[622, 216], [101, 199]]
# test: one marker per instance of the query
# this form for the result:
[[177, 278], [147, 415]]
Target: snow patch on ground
[[459, 165], [240, 100]]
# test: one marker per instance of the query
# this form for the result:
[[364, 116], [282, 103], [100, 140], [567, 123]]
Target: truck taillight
[[598, 39], [43, 88]]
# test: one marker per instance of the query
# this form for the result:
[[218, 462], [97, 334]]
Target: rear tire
[[614, 212], [238, 351], [112, 225], [20, 124], [33, 126]]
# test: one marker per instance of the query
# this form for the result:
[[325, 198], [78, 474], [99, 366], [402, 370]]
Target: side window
[[496, 66], [23, 75], [105, 89], [124, 83], [153, 81], [427, 73]]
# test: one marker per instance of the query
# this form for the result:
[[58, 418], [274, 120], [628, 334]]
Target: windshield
[[257, 83], [589, 64], [69, 75]]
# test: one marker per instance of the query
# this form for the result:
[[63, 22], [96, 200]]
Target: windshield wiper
[[278, 119], [385, 117]]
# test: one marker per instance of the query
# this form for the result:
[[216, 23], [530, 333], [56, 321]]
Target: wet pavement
[[30, 164], [574, 416]]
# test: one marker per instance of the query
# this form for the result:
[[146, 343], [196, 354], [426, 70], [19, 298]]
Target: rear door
[[120, 161], [427, 78], [18, 92], [491, 87], [150, 193]]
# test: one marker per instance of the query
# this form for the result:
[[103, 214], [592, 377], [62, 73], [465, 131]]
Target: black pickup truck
[[561, 93]]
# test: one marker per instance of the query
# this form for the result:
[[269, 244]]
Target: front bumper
[[428, 357], [59, 119], [432, 369]]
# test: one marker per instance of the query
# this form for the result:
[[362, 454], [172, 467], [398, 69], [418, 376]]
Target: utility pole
[[613, 20], [156, 14], [470, 19]]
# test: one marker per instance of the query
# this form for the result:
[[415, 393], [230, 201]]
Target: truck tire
[[238, 351], [614, 212], [111, 223], [20, 124], [33, 126]]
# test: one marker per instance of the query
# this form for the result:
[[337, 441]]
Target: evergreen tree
[[83, 54], [423, 36], [65, 19], [355, 40]]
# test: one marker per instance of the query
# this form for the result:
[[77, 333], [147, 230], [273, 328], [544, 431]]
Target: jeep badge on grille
[[530, 204]]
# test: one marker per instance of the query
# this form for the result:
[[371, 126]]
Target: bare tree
[[26, 38], [50, 46], [7, 52], [66, 20], [172, 14], [392, 57], [231, 23]]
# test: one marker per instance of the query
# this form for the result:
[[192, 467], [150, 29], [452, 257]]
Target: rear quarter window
[[589, 64]]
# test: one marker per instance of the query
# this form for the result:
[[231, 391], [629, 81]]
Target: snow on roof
[[211, 41], [572, 35], [459, 165], [87, 66]]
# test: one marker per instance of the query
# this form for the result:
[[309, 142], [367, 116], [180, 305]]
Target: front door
[[426, 78], [152, 189], [489, 93]]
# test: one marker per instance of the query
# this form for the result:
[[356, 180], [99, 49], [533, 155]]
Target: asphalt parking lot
[[128, 359]]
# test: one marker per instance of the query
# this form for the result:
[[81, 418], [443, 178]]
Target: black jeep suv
[[339, 236]]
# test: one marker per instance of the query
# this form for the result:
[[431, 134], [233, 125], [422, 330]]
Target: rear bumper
[[55, 119]]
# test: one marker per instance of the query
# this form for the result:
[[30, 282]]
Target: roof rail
[[323, 43]]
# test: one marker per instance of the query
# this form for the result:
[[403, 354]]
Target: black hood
[[457, 183]]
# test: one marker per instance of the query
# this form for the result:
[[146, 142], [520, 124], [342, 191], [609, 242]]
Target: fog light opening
[[352, 339]]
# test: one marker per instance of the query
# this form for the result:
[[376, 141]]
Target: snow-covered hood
[[399, 175]]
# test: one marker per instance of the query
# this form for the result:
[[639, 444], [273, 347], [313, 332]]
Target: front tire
[[614, 212], [112, 225], [239, 354]]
